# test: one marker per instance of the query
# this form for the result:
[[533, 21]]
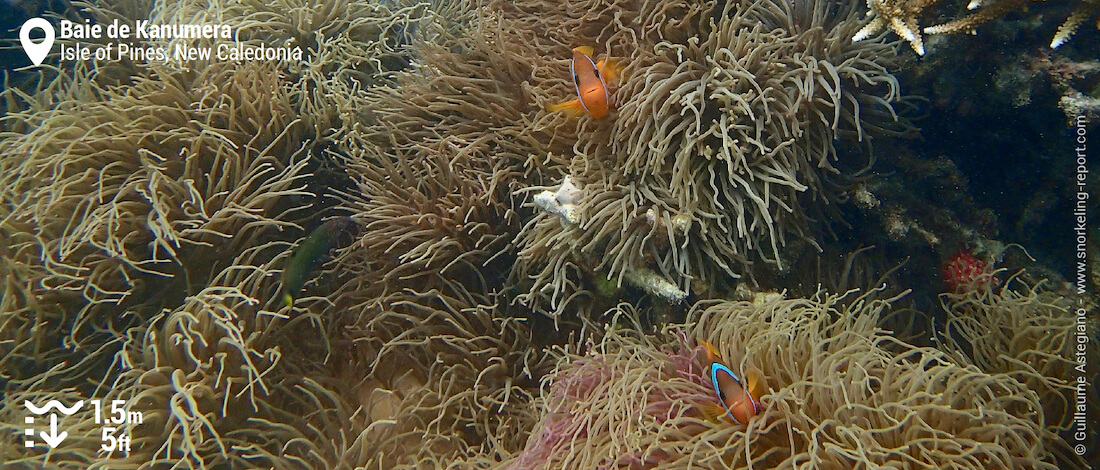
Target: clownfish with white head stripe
[[590, 79]]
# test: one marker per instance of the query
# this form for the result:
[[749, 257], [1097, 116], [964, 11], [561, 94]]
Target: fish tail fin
[[712, 412], [288, 300], [572, 107], [754, 386], [610, 70]]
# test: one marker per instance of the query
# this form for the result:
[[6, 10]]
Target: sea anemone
[[425, 220], [440, 366], [1027, 333], [436, 381], [717, 155], [118, 198], [721, 147], [144, 210], [613, 403], [838, 392]]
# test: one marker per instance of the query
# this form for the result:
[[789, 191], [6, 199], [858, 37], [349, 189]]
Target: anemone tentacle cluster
[[840, 392], [717, 158], [503, 294]]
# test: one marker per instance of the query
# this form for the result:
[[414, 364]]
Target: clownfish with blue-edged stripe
[[738, 402], [590, 79]]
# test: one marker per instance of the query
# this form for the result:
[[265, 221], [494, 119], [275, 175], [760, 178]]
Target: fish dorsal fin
[[712, 352], [586, 50], [609, 70]]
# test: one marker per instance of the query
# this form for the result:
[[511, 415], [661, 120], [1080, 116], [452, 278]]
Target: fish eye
[[715, 369], [576, 78]]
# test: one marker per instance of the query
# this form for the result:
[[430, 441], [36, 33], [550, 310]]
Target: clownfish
[[590, 79], [738, 402]]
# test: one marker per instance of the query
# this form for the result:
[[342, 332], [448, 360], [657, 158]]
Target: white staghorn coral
[[900, 16]]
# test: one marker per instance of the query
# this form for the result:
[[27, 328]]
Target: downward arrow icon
[[53, 438]]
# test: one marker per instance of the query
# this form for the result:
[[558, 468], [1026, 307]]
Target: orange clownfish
[[591, 80], [737, 401]]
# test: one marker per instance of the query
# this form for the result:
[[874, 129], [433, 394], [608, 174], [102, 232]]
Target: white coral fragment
[[562, 201], [655, 284]]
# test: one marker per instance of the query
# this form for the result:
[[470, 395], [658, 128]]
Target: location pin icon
[[36, 52]]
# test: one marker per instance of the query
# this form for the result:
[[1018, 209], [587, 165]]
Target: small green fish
[[306, 255]]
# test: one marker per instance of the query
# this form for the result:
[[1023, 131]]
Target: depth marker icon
[[53, 438]]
